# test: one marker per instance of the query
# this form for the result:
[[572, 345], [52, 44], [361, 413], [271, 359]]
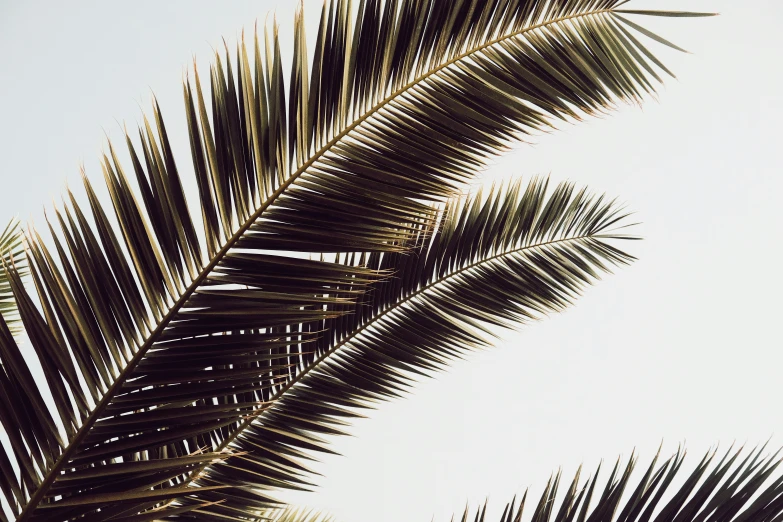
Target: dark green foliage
[[160, 342]]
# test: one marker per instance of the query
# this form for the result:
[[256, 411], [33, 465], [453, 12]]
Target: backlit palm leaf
[[155, 346], [496, 261]]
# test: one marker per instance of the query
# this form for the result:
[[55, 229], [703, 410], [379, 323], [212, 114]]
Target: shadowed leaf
[[497, 260], [355, 153]]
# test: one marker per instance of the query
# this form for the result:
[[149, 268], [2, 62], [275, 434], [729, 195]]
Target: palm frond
[[496, 261], [722, 494], [189, 390], [274, 172], [11, 257], [156, 344]]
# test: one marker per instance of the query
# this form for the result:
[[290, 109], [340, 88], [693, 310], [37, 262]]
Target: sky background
[[683, 346]]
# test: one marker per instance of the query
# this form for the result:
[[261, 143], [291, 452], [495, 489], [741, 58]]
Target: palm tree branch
[[420, 79], [399, 93], [114, 306], [377, 319], [515, 234], [97, 412]]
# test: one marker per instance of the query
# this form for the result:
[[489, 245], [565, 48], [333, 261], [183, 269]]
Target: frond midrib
[[312, 366], [54, 471]]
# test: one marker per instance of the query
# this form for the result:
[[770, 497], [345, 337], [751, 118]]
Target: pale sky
[[684, 345]]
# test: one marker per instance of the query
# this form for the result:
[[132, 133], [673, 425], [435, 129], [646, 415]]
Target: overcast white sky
[[682, 346]]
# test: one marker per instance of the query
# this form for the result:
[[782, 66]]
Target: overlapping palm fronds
[[11, 256], [158, 347], [496, 261]]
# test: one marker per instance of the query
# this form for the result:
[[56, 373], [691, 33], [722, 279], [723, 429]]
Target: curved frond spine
[[499, 259]]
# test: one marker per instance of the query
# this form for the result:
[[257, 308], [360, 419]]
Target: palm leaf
[[144, 319], [496, 261], [11, 256], [722, 494]]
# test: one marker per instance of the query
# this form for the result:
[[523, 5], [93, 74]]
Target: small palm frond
[[496, 261], [158, 342], [11, 257], [723, 494]]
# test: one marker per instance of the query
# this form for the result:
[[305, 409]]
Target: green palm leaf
[[157, 346], [496, 261], [11, 258]]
